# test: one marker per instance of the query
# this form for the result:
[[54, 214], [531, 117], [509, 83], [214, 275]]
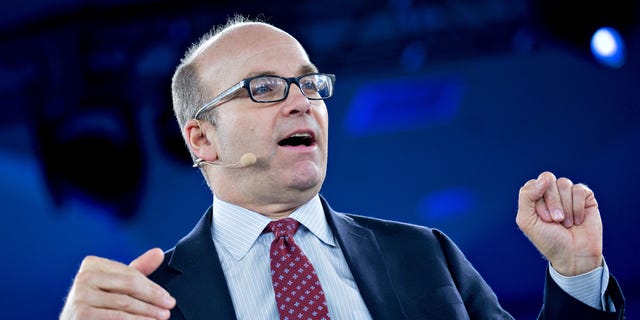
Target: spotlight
[[607, 46], [583, 25]]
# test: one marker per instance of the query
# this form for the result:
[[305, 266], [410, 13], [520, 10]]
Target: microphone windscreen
[[248, 159]]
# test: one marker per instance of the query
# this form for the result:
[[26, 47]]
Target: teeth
[[300, 135]]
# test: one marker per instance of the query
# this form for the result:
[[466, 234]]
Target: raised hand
[[563, 221], [106, 289]]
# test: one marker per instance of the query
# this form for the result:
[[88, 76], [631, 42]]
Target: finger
[[566, 200], [149, 261], [543, 212], [552, 197], [127, 305], [530, 193], [590, 198], [579, 195], [116, 277], [92, 313]]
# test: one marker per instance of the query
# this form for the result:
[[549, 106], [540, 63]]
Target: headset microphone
[[247, 159]]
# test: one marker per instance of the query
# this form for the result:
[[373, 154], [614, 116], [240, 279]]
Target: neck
[[272, 210]]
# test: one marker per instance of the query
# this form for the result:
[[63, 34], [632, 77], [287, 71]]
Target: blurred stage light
[[579, 26], [447, 204], [607, 46], [417, 102]]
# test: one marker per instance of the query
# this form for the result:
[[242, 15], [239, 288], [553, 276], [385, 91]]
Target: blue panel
[[401, 104], [446, 203]]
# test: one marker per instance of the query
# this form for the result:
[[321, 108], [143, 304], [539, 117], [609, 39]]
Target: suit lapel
[[200, 289], [367, 265]]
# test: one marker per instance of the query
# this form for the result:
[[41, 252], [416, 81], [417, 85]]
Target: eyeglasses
[[266, 89]]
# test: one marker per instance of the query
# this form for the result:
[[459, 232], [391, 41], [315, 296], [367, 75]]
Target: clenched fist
[[563, 221]]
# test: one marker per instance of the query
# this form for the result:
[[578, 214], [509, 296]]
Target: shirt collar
[[237, 228]]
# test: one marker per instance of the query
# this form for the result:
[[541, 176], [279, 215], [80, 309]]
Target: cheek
[[322, 117], [239, 119], [252, 130], [234, 130]]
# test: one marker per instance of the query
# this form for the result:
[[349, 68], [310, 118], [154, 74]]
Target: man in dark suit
[[251, 107]]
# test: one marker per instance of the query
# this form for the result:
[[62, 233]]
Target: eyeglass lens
[[269, 88]]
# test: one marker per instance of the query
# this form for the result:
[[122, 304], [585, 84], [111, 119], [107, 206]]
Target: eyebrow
[[307, 68]]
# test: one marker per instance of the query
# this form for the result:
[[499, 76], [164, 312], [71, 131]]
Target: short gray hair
[[187, 89]]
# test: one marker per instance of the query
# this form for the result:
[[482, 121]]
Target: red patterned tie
[[295, 283]]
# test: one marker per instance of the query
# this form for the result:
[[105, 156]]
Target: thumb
[[529, 206], [148, 261], [531, 192]]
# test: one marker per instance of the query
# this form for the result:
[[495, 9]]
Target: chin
[[309, 179]]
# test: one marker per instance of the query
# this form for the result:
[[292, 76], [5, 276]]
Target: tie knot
[[283, 227]]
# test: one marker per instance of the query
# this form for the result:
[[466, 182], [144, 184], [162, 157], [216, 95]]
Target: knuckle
[[579, 190], [580, 186], [116, 315], [90, 260], [122, 302], [564, 183], [522, 190], [156, 293], [87, 262], [519, 220], [84, 276], [134, 283], [549, 175], [526, 187], [80, 297], [552, 198], [130, 281]]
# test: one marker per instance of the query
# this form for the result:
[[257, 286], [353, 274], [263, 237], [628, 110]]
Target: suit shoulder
[[390, 227], [400, 240]]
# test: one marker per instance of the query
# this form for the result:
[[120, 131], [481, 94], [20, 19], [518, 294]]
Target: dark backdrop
[[442, 110]]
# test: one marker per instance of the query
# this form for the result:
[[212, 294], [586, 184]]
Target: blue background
[[442, 111]]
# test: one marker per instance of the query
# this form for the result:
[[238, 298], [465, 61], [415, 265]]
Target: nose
[[296, 102]]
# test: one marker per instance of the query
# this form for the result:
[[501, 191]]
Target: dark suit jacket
[[403, 272]]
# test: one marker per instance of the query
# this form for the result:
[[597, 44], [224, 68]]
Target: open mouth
[[298, 139]]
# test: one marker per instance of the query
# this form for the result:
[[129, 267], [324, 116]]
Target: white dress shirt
[[243, 249]]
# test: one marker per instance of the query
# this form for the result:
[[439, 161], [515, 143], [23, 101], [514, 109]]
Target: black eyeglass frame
[[244, 83]]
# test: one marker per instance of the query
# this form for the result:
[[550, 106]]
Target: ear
[[200, 136]]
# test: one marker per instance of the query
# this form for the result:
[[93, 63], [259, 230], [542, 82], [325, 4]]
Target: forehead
[[250, 49]]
